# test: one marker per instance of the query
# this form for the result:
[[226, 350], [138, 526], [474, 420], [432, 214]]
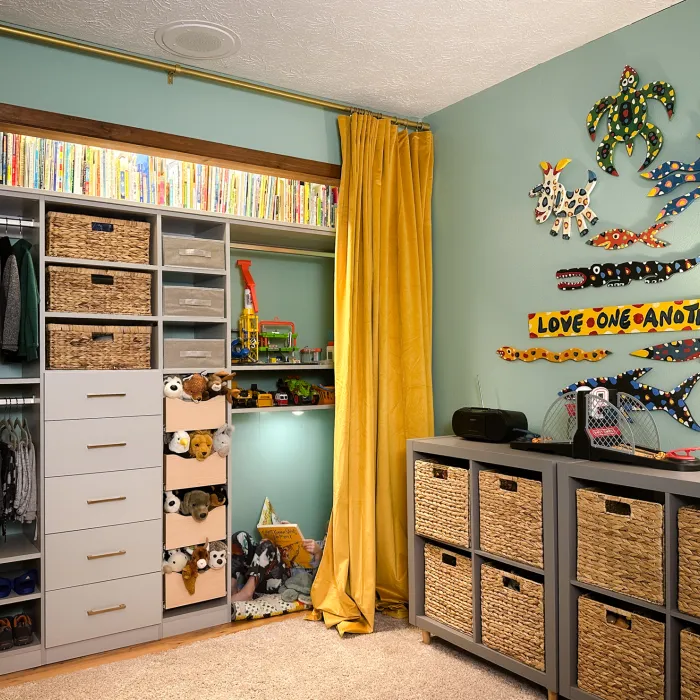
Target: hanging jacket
[[13, 305], [28, 337], [5, 252]]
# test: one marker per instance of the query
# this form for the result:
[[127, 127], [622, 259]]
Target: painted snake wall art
[[532, 354], [675, 351], [621, 274]]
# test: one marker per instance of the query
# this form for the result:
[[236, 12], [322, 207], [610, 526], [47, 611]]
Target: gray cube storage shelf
[[123, 585]]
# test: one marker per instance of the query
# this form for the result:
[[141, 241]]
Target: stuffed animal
[[179, 443], [174, 561], [217, 555], [217, 385], [297, 587], [196, 504], [195, 386], [217, 496], [199, 559], [222, 440], [201, 443], [171, 503], [172, 388]]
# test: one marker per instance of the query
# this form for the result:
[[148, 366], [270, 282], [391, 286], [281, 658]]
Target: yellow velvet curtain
[[383, 366]]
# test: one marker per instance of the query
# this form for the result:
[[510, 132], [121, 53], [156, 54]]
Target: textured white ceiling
[[406, 57]]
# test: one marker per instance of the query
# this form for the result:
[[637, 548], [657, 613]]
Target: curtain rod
[[173, 69]]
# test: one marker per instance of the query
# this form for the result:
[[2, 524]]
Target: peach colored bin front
[[181, 473], [209, 585], [184, 531], [188, 415]]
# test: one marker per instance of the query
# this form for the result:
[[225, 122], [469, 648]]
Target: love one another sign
[[611, 320]]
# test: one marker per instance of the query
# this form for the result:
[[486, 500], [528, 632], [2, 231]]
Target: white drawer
[[103, 445], [103, 554], [97, 500], [100, 609], [102, 394]]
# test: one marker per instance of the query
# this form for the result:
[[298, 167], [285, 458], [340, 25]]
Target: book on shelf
[[286, 536], [63, 166]]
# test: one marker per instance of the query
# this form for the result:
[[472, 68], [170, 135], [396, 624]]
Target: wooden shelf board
[[108, 318], [17, 548], [211, 272], [100, 263], [189, 370], [626, 599], [281, 367], [509, 562], [281, 409], [16, 651], [685, 617], [14, 599], [448, 545], [9, 381], [193, 319]]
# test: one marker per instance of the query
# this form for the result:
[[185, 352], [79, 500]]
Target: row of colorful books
[[61, 166]]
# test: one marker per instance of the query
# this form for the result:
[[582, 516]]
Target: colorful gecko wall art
[[675, 351], [627, 118], [532, 354], [619, 238], [621, 274], [672, 402], [673, 173]]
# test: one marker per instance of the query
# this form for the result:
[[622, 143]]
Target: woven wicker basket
[[690, 665], [84, 289], [448, 588], [510, 517], [99, 347], [442, 502], [95, 238], [621, 544], [620, 654], [689, 560], [512, 615]]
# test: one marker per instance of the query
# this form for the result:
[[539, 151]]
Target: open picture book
[[286, 536]]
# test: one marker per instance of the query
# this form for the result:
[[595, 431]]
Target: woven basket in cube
[[98, 347], [690, 665], [512, 615], [620, 654], [442, 502], [621, 544], [88, 290], [689, 560], [96, 238], [510, 517], [448, 588]]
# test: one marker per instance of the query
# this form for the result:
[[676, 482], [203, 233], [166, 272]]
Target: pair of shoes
[[18, 632], [22, 585]]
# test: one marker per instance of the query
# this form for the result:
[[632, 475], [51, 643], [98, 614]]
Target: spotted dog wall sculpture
[[627, 118], [555, 200]]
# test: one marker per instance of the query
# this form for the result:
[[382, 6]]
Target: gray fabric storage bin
[[194, 353], [193, 301], [189, 251]]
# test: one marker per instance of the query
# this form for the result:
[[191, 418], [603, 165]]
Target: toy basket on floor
[[268, 605]]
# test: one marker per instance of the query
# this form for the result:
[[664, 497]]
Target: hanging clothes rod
[[18, 222], [19, 401], [284, 251]]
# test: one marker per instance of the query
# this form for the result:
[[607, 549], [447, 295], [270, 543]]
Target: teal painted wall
[[71, 83], [285, 457], [493, 264]]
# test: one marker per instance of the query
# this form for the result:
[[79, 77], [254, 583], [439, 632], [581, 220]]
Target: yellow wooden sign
[[611, 320]]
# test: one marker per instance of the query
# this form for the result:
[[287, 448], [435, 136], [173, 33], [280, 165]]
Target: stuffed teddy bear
[[222, 440], [217, 496], [217, 555], [172, 388], [199, 560], [297, 587], [179, 443], [171, 503], [196, 504], [201, 443], [195, 387], [174, 561], [216, 385]]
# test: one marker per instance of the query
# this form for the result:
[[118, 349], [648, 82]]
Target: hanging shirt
[[28, 336]]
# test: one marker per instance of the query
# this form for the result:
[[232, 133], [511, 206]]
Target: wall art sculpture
[[532, 354], [619, 238]]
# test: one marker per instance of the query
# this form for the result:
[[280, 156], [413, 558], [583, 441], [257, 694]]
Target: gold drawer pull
[[105, 396], [91, 557], [106, 444], [102, 611], [92, 501]]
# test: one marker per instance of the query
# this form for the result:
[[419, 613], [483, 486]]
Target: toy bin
[[620, 653], [448, 587], [194, 353], [512, 615], [208, 586], [621, 544], [185, 531], [690, 664], [510, 517], [193, 301], [689, 560], [442, 502], [183, 473], [188, 415], [188, 251], [96, 238]]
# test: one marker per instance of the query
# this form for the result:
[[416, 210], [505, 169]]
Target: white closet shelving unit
[[29, 380]]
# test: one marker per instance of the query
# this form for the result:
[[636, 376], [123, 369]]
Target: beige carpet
[[291, 660]]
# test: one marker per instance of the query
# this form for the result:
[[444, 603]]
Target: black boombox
[[488, 424]]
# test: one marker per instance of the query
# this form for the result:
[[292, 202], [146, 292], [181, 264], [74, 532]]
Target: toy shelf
[[281, 409], [281, 367]]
